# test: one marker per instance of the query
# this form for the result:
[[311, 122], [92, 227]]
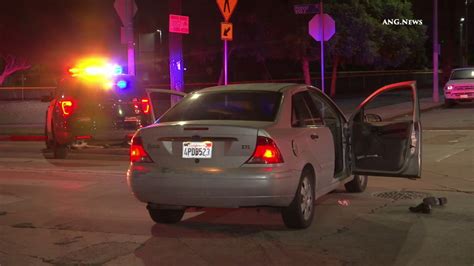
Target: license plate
[[464, 96], [201, 149]]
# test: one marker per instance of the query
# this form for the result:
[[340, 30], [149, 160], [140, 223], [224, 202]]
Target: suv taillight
[[66, 107], [266, 152], [145, 106], [137, 152]]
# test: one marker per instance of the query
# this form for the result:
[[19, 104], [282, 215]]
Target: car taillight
[[146, 106], [266, 152], [137, 152], [67, 107]]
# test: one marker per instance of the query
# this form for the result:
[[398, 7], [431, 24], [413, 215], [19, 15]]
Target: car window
[[304, 111], [328, 113], [84, 90], [463, 74], [226, 105]]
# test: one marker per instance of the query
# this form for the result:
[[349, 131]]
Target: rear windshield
[[228, 105], [83, 90], [93, 91], [463, 74]]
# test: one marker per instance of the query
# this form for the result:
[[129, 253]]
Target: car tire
[[163, 216], [48, 144], [358, 184], [60, 151], [300, 213], [448, 103]]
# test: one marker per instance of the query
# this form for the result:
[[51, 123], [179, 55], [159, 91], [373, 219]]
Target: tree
[[362, 39], [12, 65]]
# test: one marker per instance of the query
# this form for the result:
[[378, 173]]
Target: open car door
[[161, 100], [388, 146]]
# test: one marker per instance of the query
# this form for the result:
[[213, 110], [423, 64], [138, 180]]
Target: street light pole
[[160, 32], [466, 36], [435, 52], [461, 43]]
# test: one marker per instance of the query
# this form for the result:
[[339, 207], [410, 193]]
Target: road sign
[[226, 7], [179, 24], [316, 24], [227, 31], [126, 9], [306, 9]]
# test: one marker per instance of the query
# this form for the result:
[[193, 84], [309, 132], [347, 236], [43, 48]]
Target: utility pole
[[435, 52], [126, 9], [176, 54], [466, 36]]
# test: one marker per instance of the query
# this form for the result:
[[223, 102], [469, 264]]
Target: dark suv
[[83, 111]]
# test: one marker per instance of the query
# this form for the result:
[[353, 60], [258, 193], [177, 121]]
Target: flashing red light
[[67, 107], [146, 106], [266, 152], [137, 152]]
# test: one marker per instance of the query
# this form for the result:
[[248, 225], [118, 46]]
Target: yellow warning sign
[[227, 31]]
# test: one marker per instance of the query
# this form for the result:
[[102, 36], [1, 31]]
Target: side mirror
[[373, 118], [46, 98]]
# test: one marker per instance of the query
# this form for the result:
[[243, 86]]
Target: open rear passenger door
[[161, 100], [388, 144]]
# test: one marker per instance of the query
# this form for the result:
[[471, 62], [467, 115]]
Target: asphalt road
[[80, 211]]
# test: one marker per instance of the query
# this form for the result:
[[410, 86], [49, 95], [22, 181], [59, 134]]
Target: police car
[[95, 105]]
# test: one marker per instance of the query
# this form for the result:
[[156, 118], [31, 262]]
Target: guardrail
[[25, 93]]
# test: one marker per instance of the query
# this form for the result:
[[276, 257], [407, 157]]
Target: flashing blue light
[[122, 84]]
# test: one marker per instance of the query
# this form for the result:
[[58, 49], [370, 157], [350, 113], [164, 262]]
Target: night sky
[[56, 31]]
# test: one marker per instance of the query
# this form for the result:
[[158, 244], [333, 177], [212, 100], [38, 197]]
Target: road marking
[[450, 154], [189, 215], [448, 130]]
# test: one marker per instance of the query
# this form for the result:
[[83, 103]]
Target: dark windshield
[[84, 90], [228, 105], [463, 74]]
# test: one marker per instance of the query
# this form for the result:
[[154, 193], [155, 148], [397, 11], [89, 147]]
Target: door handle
[[314, 136]]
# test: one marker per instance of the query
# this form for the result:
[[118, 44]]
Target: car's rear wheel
[[48, 143], [164, 216], [60, 151], [358, 184], [300, 213]]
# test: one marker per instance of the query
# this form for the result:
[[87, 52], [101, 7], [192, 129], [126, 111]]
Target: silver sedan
[[277, 145]]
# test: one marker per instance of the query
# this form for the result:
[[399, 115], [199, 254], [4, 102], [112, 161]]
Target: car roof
[[464, 68], [278, 87]]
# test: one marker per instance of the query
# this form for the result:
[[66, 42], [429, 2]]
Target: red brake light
[[146, 106], [266, 152], [137, 152], [67, 107]]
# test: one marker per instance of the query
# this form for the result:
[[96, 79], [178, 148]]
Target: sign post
[[322, 27], [126, 9], [227, 8], [178, 25]]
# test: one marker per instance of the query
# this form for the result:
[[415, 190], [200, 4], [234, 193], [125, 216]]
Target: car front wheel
[[300, 213], [358, 184], [163, 216]]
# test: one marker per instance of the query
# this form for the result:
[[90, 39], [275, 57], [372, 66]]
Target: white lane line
[[189, 215], [450, 154], [448, 130]]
